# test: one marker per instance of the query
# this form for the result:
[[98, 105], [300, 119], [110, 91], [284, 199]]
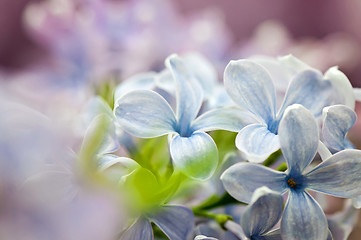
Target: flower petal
[[273, 235], [203, 71], [202, 237], [309, 89], [141, 229], [357, 92], [251, 87], [235, 229], [145, 114], [342, 86], [242, 179], [196, 156], [303, 218], [256, 142], [175, 221], [108, 160], [189, 93], [142, 81], [298, 132], [262, 213], [339, 175], [337, 120], [230, 119]]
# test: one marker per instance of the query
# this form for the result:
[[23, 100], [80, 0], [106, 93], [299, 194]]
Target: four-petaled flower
[[250, 86], [147, 114]]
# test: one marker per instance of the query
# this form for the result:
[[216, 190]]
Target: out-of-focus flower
[[43, 194], [272, 38], [93, 39], [336, 176]]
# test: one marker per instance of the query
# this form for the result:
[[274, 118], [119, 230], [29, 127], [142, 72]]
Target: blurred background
[[72, 44]]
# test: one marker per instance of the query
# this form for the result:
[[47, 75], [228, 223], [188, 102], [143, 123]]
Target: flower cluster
[[312, 118], [177, 153]]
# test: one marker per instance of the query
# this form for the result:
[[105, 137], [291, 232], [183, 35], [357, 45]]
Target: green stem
[[282, 167], [221, 219], [272, 158], [215, 201]]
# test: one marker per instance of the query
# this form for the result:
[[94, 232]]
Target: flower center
[[291, 183]]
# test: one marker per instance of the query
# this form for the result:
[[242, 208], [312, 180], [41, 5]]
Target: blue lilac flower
[[176, 222], [338, 176], [146, 114], [259, 217], [250, 87]]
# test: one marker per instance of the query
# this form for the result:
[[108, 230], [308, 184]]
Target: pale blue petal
[[309, 89], [273, 235], [251, 87], [189, 93], [293, 64], [230, 119], [141, 229], [96, 106], [235, 229], [323, 151], [175, 221], [242, 179], [339, 175], [219, 98], [342, 87], [256, 142], [145, 114], [164, 80], [357, 93], [103, 126], [202, 237], [298, 132], [303, 218], [337, 120], [142, 81], [196, 156], [210, 229], [262, 214], [108, 160]]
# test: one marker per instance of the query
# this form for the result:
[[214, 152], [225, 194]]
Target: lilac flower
[[339, 176], [250, 86], [176, 222], [146, 114], [259, 217]]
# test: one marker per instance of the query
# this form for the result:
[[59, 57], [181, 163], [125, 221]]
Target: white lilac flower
[[337, 121], [259, 217], [338, 176], [250, 87], [146, 114]]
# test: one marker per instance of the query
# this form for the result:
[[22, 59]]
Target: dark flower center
[[291, 183]]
